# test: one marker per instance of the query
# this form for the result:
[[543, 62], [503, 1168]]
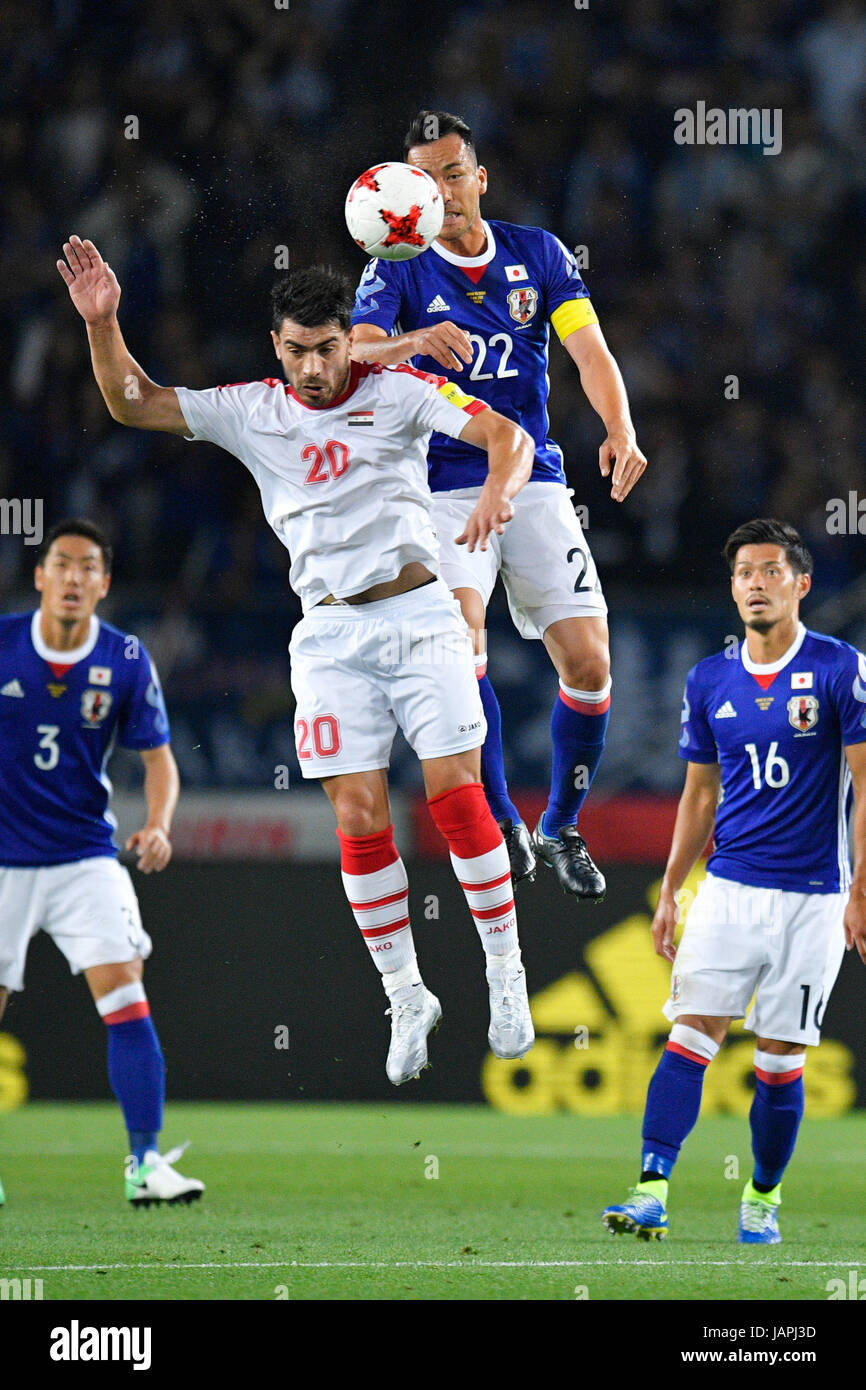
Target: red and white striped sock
[[480, 861], [374, 878]]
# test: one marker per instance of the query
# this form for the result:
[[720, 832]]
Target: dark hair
[[313, 297], [428, 126], [77, 526], [768, 532]]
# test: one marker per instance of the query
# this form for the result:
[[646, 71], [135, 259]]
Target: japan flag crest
[[803, 712], [522, 304], [95, 705]]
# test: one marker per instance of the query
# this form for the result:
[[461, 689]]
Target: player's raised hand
[[620, 449], [153, 847], [91, 282], [665, 924], [492, 513], [446, 344]]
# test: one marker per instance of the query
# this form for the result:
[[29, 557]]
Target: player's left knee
[[587, 670], [781, 1049], [105, 979], [462, 811]]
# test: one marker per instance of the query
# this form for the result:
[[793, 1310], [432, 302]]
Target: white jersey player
[[339, 453]]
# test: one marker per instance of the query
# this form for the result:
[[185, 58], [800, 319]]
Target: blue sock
[[492, 758], [777, 1109], [137, 1074], [578, 734], [672, 1105]]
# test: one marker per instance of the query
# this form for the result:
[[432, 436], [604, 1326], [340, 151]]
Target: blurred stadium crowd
[[704, 262]]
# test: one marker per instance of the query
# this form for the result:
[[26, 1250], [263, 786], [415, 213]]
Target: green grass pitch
[[414, 1202]]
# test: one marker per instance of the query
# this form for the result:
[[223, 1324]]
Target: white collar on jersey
[[770, 669], [469, 262], [63, 658]]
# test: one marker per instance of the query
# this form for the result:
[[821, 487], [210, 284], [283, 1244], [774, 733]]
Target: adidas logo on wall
[[438, 306], [600, 1032]]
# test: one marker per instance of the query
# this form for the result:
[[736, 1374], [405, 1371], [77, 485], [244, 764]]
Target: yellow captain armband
[[452, 393], [573, 314]]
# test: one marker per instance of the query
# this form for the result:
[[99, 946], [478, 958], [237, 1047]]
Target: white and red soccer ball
[[394, 211]]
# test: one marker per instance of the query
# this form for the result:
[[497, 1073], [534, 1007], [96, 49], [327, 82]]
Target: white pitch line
[[450, 1264], [339, 1149], [567, 1151]]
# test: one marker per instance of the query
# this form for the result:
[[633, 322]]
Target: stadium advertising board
[[261, 991]]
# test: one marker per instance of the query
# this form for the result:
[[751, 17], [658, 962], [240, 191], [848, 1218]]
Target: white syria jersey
[[344, 486]]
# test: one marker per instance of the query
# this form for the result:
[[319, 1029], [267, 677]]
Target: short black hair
[[77, 526], [313, 297], [766, 531], [428, 126]]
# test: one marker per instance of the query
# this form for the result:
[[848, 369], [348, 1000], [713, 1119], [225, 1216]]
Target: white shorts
[[783, 948], [88, 907], [361, 672], [545, 562]]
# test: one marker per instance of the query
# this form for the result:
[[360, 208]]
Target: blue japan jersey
[[58, 726], [779, 733], [504, 299]]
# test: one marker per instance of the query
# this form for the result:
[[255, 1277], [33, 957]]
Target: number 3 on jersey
[[50, 756]]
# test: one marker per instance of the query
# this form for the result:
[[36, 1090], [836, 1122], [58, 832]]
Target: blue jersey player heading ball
[[774, 734], [70, 687], [478, 304]]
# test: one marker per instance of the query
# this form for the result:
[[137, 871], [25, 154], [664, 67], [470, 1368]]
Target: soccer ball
[[394, 211]]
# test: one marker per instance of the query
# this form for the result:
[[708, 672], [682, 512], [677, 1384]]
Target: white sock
[[486, 881], [379, 899]]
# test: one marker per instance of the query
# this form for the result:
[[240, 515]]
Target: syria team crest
[[522, 304], [95, 705], [803, 712]]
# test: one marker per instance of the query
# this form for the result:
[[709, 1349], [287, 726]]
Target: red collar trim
[[357, 371]]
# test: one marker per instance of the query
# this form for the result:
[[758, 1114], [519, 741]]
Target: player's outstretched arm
[[132, 398], [510, 454], [855, 912], [696, 815], [444, 342], [605, 390], [161, 790]]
